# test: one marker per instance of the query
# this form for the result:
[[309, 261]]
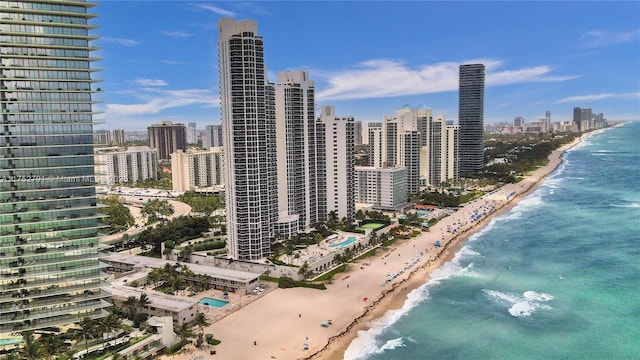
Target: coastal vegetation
[[180, 229], [118, 217], [156, 209], [200, 203]]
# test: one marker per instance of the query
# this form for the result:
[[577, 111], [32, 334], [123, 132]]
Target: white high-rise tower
[[297, 149], [248, 120]]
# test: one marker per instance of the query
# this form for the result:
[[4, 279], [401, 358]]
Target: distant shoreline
[[286, 323], [395, 299]]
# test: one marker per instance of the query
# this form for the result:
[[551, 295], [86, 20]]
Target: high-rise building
[[116, 165], [192, 133], [357, 131], [49, 224], [298, 149], [376, 145], [167, 138], [340, 162], [102, 137], [248, 119], [518, 121], [197, 170], [212, 136], [471, 117], [117, 136]]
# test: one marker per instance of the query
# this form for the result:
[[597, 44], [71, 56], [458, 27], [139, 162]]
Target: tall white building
[[299, 157], [404, 135], [248, 120], [197, 170], [439, 160], [376, 145], [340, 161], [116, 165]]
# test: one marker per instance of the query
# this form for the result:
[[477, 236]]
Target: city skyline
[[162, 64]]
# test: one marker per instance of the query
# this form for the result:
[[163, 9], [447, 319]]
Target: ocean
[[555, 277]]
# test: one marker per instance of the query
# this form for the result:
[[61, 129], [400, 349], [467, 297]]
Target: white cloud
[[155, 101], [177, 34], [596, 97], [150, 82], [125, 42], [592, 39], [217, 10], [378, 78]]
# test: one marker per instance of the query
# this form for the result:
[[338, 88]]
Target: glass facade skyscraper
[[471, 118], [49, 269]]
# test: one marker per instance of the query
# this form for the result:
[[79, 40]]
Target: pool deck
[[322, 249]]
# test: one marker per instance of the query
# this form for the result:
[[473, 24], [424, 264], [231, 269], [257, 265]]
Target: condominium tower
[[471, 118], [248, 119], [167, 138], [48, 220], [197, 170], [337, 132], [300, 159]]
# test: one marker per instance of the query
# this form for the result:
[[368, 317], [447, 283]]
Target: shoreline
[[285, 323], [336, 347]]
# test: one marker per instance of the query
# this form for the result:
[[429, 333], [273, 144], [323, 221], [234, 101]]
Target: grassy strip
[[330, 274]]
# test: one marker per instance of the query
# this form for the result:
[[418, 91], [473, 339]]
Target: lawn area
[[370, 226]]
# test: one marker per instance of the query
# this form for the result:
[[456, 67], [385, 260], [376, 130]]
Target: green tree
[[143, 301], [86, 331], [201, 321], [119, 217], [53, 345], [131, 304], [184, 332], [31, 349], [109, 324], [156, 209]]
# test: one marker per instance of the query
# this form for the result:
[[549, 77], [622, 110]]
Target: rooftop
[[214, 272]]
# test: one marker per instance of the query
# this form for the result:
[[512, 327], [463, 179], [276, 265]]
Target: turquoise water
[[556, 277], [10, 341], [213, 302], [349, 240]]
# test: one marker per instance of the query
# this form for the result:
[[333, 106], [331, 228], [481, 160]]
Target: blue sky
[[159, 58]]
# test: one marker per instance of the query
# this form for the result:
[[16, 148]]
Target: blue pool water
[[10, 341], [349, 240], [213, 302]]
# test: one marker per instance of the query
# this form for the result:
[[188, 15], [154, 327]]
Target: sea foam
[[366, 342], [520, 305]]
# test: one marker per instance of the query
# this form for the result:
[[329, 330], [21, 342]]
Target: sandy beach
[[279, 324]]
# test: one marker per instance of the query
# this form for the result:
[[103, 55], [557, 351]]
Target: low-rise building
[[216, 278]]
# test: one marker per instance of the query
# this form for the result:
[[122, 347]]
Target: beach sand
[[278, 325]]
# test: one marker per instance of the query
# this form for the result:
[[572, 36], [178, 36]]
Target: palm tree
[[110, 323], [31, 349], [201, 321], [154, 276], [52, 345], [143, 301], [184, 332], [131, 304], [85, 332]]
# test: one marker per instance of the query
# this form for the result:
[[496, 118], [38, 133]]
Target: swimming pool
[[10, 341], [349, 240], [212, 302]]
